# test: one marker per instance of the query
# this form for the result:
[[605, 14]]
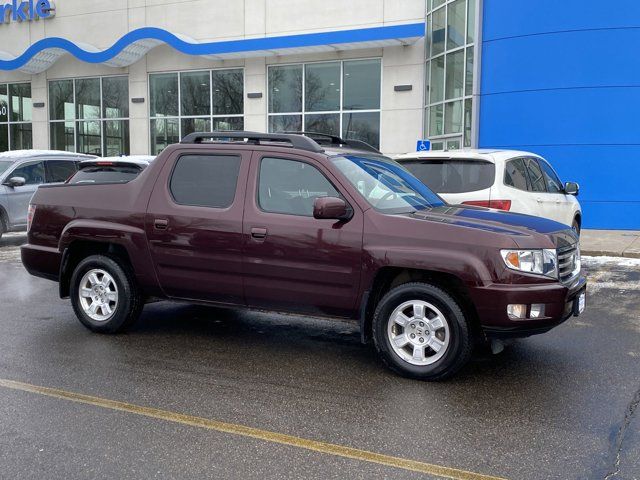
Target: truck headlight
[[539, 262]]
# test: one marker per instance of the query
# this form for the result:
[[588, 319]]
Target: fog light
[[517, 311], [537, 310]]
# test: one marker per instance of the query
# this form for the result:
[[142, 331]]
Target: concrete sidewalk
[[613, 243]]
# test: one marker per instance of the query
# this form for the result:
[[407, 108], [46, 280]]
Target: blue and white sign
[[423, 146], [26, 11]]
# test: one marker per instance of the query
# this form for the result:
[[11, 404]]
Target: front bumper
[[491, 304]]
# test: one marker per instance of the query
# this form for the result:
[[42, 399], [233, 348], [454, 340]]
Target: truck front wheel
[[104, 294], [421, 332]]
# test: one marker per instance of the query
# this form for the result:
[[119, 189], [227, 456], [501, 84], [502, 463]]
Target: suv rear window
[[106, 174], [453, 176]]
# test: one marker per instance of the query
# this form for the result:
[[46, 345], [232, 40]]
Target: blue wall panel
[[560, 79]]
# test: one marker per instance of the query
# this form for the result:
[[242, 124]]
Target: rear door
[[519, 188], [548, 197], [293, 261], [194, 224], [19, 197]]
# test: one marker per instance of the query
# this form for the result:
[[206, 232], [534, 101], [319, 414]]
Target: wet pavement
[[562, 405]]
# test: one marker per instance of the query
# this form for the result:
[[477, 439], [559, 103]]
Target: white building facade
[[112, 77]]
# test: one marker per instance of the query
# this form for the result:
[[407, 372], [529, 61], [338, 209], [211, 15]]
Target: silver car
[[21, 172]]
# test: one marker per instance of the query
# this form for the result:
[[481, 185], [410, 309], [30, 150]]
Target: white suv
[[520, 182]]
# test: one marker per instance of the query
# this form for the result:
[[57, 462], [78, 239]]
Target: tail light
[[497, 204], [30, 214]]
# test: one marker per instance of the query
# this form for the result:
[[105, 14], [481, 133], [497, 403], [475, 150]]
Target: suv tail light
[[497, 204], [30, 214]]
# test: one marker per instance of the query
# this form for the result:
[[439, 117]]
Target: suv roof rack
[[294, 141], [327, 139]]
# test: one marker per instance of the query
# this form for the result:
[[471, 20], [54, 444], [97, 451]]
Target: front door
[[194, 225], [550, 198], [293, 261], [19, 197]]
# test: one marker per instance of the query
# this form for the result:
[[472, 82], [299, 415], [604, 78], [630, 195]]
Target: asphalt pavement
[[197, 392]]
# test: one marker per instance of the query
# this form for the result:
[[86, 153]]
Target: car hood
[[516, 225]]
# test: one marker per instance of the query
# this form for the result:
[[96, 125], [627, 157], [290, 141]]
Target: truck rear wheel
[[105, 295], [420, 332]]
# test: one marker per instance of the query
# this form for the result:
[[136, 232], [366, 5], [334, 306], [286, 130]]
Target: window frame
[[179, 117], [10, 123], [176, 160], [101, 120], [299, 160], [303, 113]]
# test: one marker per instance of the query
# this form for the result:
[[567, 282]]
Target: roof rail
[[293, 141], [327, 139]]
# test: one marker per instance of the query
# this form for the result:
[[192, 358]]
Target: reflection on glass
[[163, 90], [436, 86], [438, 28], [61, 100], [4, 138], [453, 144], [362, 84], [89, 138], [88, 98], [285, 89], [323, 123], [285, 123], [471, 22], [468, 120], [436, 120], [456, 24], [468, 88], [4, 104], [228, 92], [195, 94], [21, 136], [362, 126], [115, 97], [191, 125], [164, 132], [223, 124], [453, 117], [116, 138], [20, 102], [62, 136], [322, 87], [455, 75]]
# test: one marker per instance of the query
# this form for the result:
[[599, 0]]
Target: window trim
[[292, 159], [203, 154]]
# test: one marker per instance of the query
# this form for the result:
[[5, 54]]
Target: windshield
[[4, 165], [386, 185]]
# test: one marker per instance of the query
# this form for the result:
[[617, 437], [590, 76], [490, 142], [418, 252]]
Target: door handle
[[160, 224], [259, 233]]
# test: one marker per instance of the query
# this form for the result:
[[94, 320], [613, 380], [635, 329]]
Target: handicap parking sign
[[423, 146]]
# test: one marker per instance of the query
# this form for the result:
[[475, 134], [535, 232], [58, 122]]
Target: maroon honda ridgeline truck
[[327, 227]]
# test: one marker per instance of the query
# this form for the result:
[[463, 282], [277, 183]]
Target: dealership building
[[113, 77]]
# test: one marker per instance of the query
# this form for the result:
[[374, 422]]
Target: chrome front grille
[[569, 263]]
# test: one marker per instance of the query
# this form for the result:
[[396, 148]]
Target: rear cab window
[[452, 175]]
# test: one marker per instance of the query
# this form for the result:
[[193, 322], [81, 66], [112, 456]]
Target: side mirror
[[571, 188], [331, 208], [16, 182]]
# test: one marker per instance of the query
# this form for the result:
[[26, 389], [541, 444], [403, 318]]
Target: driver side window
[[33, 173], [290, 187]]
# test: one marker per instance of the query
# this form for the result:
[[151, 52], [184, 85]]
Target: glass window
[[456, 26], [164, 132], [436, 118], [195, 93], [453, 117], [323, 123], [163, 91], [285, 123], [5, 165], [33, 173], [362, 84], [285, 89], [116, 138], [436, 86], [291, 187], [115, 97], [21, 136], [515, 174], [61, 106], [228, 123], [88, 98], [453, 176], [191, 125], [468, 85], [362, 126], [60, 170], [89, 138], [535, 176], [322, 87], [468, 121], [106, 174], [438, 23], [228, 92], [62, 136], [471, 22], [455, 75], [4, 138], [554, 185], [205, 180], [4, 104], [20, 102]]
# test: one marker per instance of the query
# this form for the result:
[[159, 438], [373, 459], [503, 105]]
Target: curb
[[601, 253]]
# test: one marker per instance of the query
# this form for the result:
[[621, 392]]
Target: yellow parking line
[[267, 436]]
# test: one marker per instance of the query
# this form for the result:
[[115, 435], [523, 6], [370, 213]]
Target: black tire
[[576, 226], [130, 301], [460, 347]]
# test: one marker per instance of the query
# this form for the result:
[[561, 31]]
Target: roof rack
[[293, 141], [327, 139]]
